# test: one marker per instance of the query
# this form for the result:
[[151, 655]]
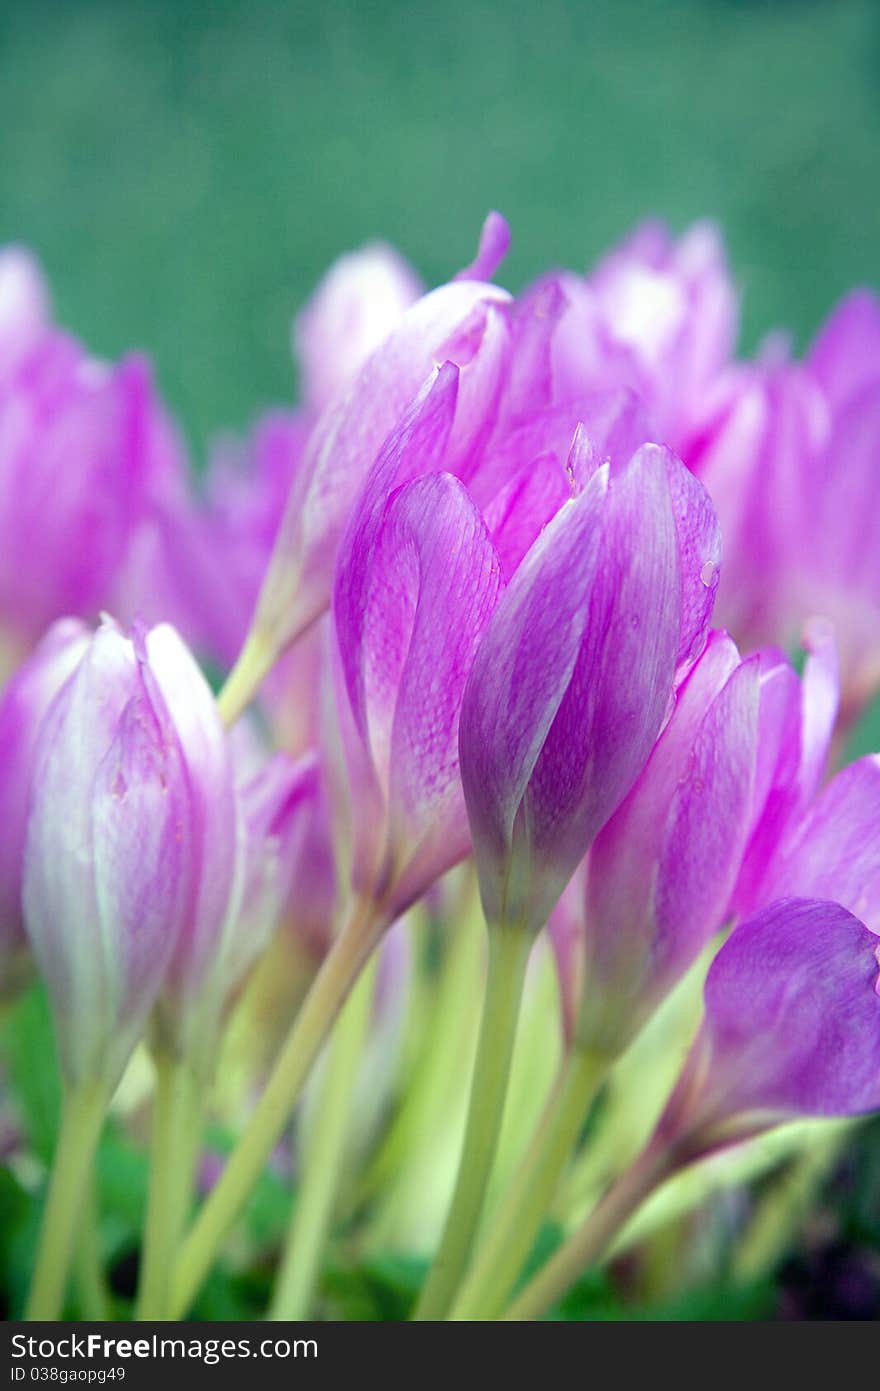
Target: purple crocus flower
[[574, 677], [24, 703], [789, 454], [86, 453]]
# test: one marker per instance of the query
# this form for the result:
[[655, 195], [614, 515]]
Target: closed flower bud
[[574, 675], [111, 870]]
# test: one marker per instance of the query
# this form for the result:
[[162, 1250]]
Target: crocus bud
[[460, 322], [110, 871], [789, 452], [574, 676], [791, 1028], [24, 703], [661, 871], [361, 298], [418, 577]]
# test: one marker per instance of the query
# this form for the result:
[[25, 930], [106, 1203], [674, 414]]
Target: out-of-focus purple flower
[[417, 580], [660, 872], [657, 316], [86, 453], [236, 518], [113, 868], [574, 677], [24, 703], [361, 298], [24, 306], [789, 453], [791, 1028]]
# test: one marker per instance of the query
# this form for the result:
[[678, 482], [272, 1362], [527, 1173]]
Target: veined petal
[[836, 854]]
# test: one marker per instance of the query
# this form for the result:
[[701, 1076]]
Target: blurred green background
[[187, 170]]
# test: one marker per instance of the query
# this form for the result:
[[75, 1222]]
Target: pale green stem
[[323, 1156], [177, 1110], [435, 1071], [782, 1209], [509, 949], [82, 1116], [340, 970], [526, 1202], [91, 1287], [253, 664], [590, 1242]]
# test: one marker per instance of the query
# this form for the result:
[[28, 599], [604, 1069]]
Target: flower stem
[[593, 1237], [176, 1126], [509, 949], [527, 1200], [447, 1039], [323, 1156], [82, 1116], [340, 970], [253, 664], [92, 1294]]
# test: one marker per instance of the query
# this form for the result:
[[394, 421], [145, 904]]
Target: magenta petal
[[415, 446], [792, 1024], [836, 853], [846, 354], [661, 871], [427, 579], [494, 245]]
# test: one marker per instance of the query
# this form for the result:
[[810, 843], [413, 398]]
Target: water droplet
[[709, 574]]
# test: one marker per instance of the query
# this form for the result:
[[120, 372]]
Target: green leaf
[[29, 1046]]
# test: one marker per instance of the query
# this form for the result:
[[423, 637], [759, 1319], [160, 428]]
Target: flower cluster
[[512, 589]]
